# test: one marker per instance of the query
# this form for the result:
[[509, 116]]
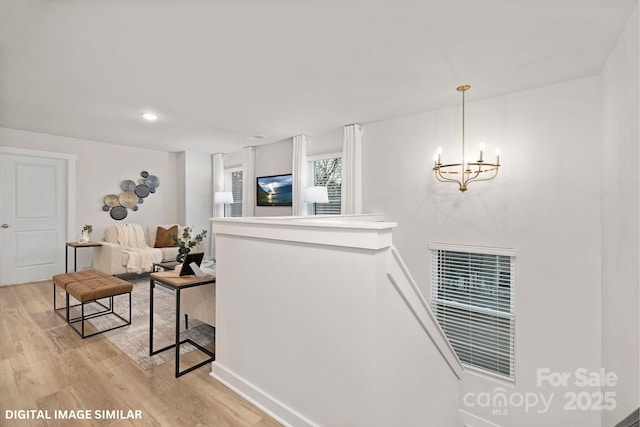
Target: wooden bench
[[88, 287]]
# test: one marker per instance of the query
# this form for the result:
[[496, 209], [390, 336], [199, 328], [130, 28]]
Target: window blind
[[327, 172], [234, 180], [473, 299]]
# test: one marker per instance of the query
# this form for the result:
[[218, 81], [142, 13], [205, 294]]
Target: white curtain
[[248, 181], [218, 182], [352, 170], [299, 168], [217, 185]]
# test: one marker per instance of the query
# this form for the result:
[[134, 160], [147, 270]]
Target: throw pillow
[[163, 238]]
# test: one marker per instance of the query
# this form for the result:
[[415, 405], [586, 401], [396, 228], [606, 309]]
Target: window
[[233, 183], [472, 297], [326, 171]]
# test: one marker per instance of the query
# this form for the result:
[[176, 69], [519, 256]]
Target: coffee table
[[172, 280]]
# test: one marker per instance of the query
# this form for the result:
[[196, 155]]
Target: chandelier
[[465, 172]]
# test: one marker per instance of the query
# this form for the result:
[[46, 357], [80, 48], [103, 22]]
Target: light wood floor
[[44, 365]]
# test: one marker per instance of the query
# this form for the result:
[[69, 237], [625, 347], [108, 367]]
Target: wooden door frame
[[70, 160]]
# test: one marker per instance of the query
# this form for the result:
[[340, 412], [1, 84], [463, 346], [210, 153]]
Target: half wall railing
[[319, 322]]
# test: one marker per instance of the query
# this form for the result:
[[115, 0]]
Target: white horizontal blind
[[234, 184], [473, 298], [327, 172]]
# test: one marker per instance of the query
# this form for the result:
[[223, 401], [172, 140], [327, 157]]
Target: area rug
[[133, 340]]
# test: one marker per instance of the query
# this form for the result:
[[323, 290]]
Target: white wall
[[545, 204], [326, 143], [100, 169], [233, 160], [195, 193], [620, 220], [274, 159]]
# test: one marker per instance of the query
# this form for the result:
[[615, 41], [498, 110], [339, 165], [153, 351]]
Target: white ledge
[[359, 231]]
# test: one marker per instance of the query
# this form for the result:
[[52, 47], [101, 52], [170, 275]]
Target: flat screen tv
[[274, 190]]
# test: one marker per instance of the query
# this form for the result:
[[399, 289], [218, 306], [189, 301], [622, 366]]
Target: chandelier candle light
[[465, 172]]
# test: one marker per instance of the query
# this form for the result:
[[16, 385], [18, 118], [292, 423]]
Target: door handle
[[5, 225]]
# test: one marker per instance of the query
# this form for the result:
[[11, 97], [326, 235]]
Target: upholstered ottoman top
[[98, 288], [63, 280]]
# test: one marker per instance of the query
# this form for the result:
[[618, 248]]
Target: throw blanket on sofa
[[141, 256]]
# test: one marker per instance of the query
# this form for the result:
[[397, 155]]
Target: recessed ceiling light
[[257, 137], [150, 117]]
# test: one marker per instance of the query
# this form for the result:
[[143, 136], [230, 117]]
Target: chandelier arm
[[476, 174], [447, 169], [487, 167], [489, 178], [461, 185], [490, 167], [442, 178]]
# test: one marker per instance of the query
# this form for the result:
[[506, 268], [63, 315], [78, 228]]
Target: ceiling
[[218, 72]]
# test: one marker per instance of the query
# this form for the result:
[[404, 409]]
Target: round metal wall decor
[[118, 212], [111, 200], [127, 185], [152, 181], [128, 199], [132, 195], [142, 191]]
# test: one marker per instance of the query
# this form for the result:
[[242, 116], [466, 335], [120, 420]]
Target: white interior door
[[33, 217]]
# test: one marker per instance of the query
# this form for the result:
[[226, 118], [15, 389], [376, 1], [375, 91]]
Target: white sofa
[[111, 259]]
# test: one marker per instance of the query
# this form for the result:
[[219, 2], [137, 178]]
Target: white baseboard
[[267, 403]]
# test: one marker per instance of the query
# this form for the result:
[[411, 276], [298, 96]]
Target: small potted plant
[[85, 233], [186, 242]]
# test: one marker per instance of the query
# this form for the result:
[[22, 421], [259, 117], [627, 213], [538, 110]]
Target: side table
[[172, 280], [169, 265], [75, 246]]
